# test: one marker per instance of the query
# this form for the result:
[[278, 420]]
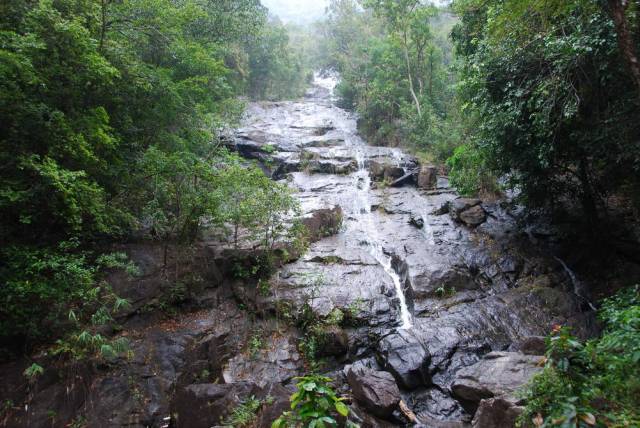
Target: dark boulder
[[416, 221], [496, 413], [533, 345], [427, 177], [323, 222], [335, 342], [406, 358], [377, 391]]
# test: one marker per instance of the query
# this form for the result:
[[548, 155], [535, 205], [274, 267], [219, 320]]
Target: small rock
[[416, 221], [533, 345], [474, 216], [496, 413], [442, 210], [377, 391]]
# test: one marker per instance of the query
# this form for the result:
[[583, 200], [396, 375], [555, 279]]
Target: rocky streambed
[[432, 306]]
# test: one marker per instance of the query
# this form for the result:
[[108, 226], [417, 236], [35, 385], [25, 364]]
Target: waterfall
[[362, 210], [578, 287]]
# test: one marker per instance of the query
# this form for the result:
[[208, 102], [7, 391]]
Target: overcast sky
[[303, 11]]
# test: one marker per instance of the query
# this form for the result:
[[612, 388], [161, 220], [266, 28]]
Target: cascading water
[[362, 210], [578, 288]]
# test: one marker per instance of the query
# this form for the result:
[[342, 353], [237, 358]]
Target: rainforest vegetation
[[114, 116]]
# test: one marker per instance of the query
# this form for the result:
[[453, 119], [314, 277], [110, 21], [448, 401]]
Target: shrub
[[48, 291], [596, 383], [315, 404], [468, 171]]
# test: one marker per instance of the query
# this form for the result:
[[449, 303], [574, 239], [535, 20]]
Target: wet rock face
[[499, 374], [406, 358], [472, 281], [385, 171], [206, 404], [279, 362], [375, 390]]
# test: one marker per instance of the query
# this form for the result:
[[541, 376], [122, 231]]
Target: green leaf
[[341, 408]]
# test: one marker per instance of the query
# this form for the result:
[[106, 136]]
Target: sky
[[303, 11], [298, 11]]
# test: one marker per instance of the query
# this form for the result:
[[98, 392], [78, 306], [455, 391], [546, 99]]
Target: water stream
[[365, 224], [363, 212], [578, 287]]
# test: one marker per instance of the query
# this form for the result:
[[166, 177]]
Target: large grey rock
[[499, 374], [406, 358], [461, 204], [467, 211], [377, 391], [278, 363], [428, 177], [473, 216]]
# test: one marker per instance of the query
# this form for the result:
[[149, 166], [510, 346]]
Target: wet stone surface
[[426, 291]]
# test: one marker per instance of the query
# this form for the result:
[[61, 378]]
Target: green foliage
[[256, 343], [245, 413], [554, 100], [41, 286], [469, 173], [276, 70], [111, 115], [394, 62], [315, 404], [33, 371], [593, 383], [445, 291]]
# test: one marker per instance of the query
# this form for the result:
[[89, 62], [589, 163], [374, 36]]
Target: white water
[[577, 284], [362, 205], [365, 224]]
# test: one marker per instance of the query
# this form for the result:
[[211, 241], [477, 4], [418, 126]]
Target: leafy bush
[[315, 404], [245, 413], [47, 291], [596, 383], [468, 171]]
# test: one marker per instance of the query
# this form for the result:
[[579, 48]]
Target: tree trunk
[[625, 39], [431, 74], [413, 92], [103, 26]]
